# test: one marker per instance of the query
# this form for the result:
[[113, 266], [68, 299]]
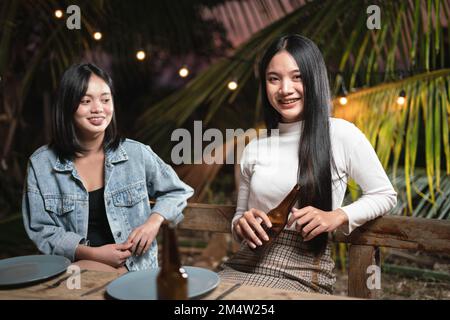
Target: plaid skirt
[[287, 264]]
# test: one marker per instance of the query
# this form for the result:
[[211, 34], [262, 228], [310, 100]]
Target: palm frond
[[420, 196], [392, 128]]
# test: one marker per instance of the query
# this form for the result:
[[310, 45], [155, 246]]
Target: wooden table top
[[94, 283]]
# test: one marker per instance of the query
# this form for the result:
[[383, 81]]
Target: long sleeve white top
[[269, 171]]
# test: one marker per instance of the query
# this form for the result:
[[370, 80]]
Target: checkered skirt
[[287, 264]]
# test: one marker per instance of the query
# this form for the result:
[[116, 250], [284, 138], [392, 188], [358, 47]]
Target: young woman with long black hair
[[87, 193], [314, 150]]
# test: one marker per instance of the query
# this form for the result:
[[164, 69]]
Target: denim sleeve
[[39, 225], [163, 184]]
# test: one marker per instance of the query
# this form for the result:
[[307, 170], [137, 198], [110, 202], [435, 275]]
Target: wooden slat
[[207, 217], [428, 235], [361, 258], [389, 231]]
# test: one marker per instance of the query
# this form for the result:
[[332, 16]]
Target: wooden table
[[94, 283]]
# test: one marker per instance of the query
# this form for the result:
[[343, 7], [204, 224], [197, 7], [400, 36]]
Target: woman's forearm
[[341, 216], [83, 252], [155, 218]]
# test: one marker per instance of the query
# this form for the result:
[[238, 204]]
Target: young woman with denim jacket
[[87, 193]]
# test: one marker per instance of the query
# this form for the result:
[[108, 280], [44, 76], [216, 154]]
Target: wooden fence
[[427, 235]]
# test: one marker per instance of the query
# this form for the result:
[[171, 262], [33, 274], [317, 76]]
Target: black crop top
[[99, 231]]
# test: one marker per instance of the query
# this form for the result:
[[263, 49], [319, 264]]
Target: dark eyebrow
[[276, 74], [91, 96]]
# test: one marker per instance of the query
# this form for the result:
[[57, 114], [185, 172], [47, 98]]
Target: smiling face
[[95, 110], [284, 87]]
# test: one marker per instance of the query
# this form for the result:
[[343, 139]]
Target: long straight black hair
[[314, 157], [73, 86]]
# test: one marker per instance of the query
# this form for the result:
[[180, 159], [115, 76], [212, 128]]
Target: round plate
[[141, 285], [29, 269]]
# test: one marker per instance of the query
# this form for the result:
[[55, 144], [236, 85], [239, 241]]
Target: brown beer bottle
[[172, 281], [278, 216]]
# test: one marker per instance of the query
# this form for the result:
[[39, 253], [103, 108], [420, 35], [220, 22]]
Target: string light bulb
[[232, 85], [97, 35], [183, 72], [401, 99], [342, 93], [58, 14], [343, 100], [140, 55]]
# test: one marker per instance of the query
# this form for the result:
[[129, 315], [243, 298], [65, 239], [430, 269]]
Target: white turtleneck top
[[269, 171]]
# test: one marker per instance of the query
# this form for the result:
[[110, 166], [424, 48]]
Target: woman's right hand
[[250, 222], [115, 254]]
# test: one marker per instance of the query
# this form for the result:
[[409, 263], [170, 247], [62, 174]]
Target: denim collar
[[111, 157], [115, 156]]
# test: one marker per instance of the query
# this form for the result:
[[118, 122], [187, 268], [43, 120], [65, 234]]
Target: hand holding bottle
[[275, 221], [249, 227], [311, 221]]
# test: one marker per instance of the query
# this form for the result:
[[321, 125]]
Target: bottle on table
[[172, 280]]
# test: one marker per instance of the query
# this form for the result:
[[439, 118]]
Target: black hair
[[315, 157], [73, 86]]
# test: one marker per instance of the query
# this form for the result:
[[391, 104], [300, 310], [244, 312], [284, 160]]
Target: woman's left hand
[[311, 221], [143, 236]]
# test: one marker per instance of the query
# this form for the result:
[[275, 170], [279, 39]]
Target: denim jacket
[[55, 204]]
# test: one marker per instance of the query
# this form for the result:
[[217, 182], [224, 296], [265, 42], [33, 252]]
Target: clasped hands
[[309, 220], [137, 243]]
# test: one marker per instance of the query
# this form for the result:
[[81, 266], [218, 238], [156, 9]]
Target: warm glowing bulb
[[183, 72], [343, 100], [98, 35], [58, 14], [232, 85], [401, 100], [140, 55]]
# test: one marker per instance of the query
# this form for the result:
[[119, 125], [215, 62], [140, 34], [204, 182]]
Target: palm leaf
[[425, 100]]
